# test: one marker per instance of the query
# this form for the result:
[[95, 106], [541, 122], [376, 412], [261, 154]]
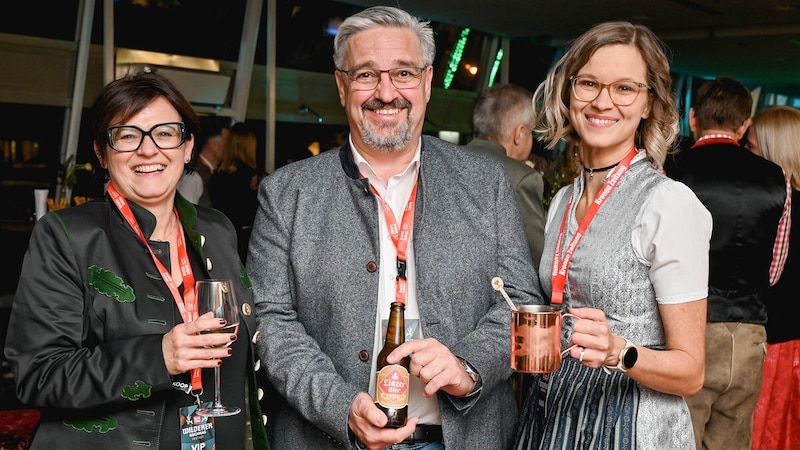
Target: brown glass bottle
[[392, 382]]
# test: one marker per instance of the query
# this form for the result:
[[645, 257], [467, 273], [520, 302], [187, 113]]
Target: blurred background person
[[212, 149], [502, 125], [775, 134], [233, 186], [747, 197], [103, 335], [194, 186], [502, 122]]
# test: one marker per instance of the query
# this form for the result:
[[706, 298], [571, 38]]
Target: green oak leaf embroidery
[[243, 277], [138, 390], [103, 424], [111, 285]]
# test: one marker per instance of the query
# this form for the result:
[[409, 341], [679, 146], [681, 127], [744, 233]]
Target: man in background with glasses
[[392, 215]]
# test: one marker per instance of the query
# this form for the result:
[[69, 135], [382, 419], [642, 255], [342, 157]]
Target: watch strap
[[620, 367], [476, 377]]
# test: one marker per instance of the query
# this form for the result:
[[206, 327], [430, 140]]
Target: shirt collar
[[366, 169]]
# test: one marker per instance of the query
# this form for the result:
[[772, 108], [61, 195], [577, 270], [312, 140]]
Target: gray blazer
[[313, 261], [528, 186]]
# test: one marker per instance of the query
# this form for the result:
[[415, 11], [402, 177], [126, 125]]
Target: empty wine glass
[[218, 296]]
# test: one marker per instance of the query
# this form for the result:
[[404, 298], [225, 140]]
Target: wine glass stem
[[217, 400]]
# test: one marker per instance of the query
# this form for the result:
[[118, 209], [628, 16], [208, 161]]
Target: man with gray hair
[[391, 216], [502, 122]]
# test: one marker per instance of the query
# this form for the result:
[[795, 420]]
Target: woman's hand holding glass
[[184, 348], [217, 297]]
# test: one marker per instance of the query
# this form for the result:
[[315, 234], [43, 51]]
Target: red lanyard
[[400, 238], [187, 304], [561, 266]]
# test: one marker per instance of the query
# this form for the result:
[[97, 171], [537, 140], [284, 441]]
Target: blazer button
[[256, 336], [246, 310], [372, 266], [363, 355]]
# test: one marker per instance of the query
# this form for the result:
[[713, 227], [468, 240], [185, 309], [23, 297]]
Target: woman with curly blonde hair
[[626, 251]]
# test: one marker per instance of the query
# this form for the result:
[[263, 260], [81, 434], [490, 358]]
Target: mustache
[[377, 104]]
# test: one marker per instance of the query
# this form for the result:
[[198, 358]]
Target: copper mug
[[536, 338]]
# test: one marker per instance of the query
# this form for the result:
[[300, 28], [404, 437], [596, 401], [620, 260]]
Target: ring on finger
[[583, 352]]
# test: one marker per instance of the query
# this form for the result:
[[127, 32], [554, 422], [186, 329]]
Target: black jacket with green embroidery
[[87, 322]]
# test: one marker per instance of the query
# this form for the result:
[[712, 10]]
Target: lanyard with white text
[[400, 238], [187, 304], [560, 266]]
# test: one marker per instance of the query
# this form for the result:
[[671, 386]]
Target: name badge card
[[197, 432]]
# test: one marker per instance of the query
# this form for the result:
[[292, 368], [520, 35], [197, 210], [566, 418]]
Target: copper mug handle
[[563, 353]]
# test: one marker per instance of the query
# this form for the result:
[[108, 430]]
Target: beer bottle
[[392, 382]]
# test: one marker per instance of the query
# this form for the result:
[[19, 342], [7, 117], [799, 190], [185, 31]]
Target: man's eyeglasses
[[401, 77], [128, 138], [622, 93]]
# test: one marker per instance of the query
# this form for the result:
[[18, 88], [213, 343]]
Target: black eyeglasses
[[401, 77], [622, 93], [128, 138]]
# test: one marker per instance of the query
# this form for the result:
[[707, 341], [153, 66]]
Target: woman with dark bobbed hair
[[104, 334]]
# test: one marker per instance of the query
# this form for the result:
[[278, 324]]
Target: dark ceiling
[[756, 41]]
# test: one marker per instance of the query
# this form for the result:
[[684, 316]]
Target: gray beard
[[389, 144]]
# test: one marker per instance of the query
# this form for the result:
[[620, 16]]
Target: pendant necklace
[[592, 170]]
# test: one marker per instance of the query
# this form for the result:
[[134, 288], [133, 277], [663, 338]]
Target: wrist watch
[[627, 358], [476, 377]]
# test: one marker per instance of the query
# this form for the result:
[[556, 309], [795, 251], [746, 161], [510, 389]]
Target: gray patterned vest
[[604, 272]]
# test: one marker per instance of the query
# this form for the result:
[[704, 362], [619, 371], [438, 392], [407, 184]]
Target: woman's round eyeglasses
[[622, 93]]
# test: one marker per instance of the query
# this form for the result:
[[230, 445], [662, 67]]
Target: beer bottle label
[[391, 386]]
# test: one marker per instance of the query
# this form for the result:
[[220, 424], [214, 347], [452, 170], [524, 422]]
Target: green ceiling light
[[455, 58], [495, 66]]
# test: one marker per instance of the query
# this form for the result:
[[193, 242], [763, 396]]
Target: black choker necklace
[[592, 170]]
